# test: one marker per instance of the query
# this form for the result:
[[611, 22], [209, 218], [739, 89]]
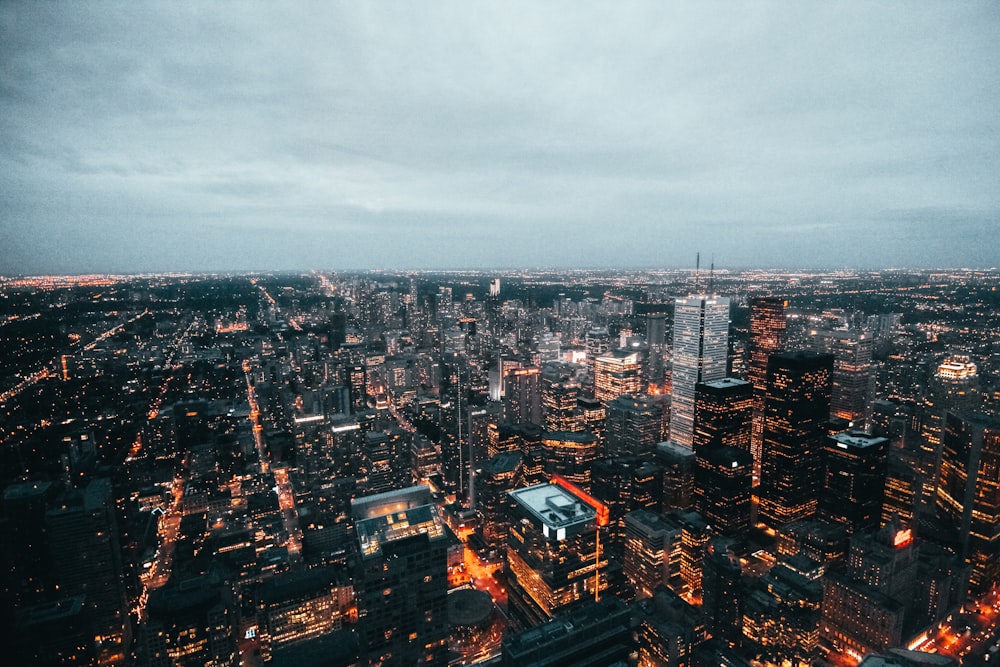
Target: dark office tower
[[695, 534], [402, 582], [559, 396], [596, 635], [723, 487], [968, 494], [722, 594], [657, 340], [767, 336], [615, 373], [678, 475], [522, 403], [855, 466], [796, 409], [649, 543], [722, 414], [625, 484], [632, 426], [570, 455], [700, 354], [25, 574], [51, 633], [86, 560], [852, 363], [189, 623], [499, 474], [554, 561]]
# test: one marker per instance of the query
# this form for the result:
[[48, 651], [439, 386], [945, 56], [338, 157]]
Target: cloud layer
[[413, 135]]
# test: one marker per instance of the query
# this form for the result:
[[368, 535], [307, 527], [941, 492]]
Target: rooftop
[[553, 505], [856, 440]]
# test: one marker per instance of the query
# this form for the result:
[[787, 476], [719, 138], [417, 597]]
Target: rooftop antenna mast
[[697, 268]]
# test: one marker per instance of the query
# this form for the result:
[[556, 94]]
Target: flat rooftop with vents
[[555, 509]]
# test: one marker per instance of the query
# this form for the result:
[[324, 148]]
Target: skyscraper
[[968, 494], [852, 362], [657, 341], [554, 563], [854, 480], [700, 351], [523, 396], [649, 543], [767, 336], [633, 425], [402, 583], [616, 373], [795, 411], [723, 414]]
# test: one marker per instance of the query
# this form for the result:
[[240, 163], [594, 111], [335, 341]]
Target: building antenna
[[697, 267]]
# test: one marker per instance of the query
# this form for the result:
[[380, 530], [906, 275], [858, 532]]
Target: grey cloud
[[500, 134]]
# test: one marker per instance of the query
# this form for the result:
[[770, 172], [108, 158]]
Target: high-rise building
[[523, 395], [700, 352], [295, 607], [402, 583], [767, 336], [657, 341], [615, 373], [722, 594], [796, 410], [499, 474], [968, 494], [782, 613], [723, 411], [865, 602], [559, 396], [190, 622], [649, 543], [633, 425], [952, 387], [723, 488], [852, 362], [554, 561], [86, 560], [678, 465], [571, 455], [855, 466]]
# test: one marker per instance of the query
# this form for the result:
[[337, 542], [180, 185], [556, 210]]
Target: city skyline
[[201, 139]]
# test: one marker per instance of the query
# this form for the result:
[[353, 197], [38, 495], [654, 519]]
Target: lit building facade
[[700, 354], [554, 562], [796, 410], [852, 363], [968, 494], [615, 373], [767, 337], [723, 410], [650, 542]]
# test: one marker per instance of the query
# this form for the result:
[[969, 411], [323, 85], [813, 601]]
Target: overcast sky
[[265, 136]]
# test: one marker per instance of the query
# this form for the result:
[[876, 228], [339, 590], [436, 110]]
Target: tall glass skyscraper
[[767, 336], [701, 347]]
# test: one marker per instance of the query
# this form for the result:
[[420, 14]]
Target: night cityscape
[[526, 468], [520, 334]]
